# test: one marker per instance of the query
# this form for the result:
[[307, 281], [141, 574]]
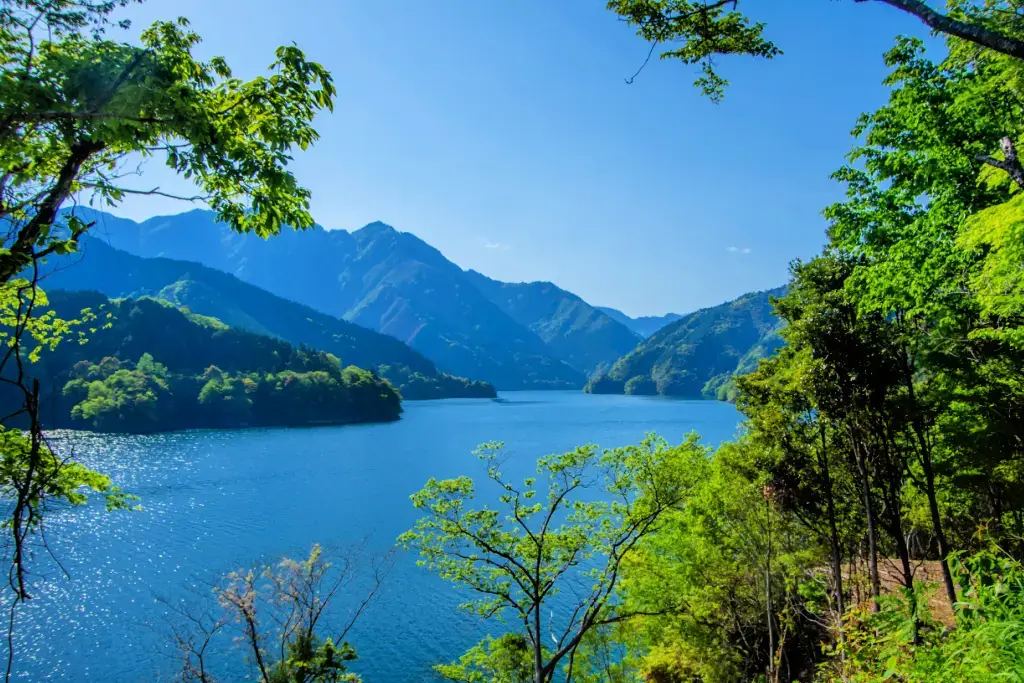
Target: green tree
[[74, 104], [560, 539], [507, 659], [700, 30]]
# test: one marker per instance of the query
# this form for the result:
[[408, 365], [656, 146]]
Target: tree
[[560, 544], [803, 457], [34, 474], [74, 104], [280, 616], [704, 29]]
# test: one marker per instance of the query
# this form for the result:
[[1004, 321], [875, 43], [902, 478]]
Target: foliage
[[847, 534], [32, 473], [207, 375], [884, 437], [280, 618], [702, 30], [986, 645], [75, 103], [551, 539], [506, 659]]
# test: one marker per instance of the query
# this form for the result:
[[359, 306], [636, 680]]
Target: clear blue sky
[[502, 133]]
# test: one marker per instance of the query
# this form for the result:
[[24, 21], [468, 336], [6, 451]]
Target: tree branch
[[974, 33], [1010, 162]]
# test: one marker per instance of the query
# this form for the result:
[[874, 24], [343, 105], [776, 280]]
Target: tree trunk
[[940, 535], [538, 653], [869, 513], [21, 251], [768, 586], [833, 532], [929, 471]]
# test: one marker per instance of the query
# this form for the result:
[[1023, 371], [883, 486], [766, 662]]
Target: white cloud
[[497, 245], [732, 249], [738, 250], [746, 250]]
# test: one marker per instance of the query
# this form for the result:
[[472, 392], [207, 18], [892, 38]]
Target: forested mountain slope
[[697, 355], [146, 366], [576, 332]]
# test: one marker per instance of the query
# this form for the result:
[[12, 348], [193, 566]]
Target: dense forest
[[698, 355], [147, 366], [99, 267]]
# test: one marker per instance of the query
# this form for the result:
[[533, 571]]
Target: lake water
[[217, 501]]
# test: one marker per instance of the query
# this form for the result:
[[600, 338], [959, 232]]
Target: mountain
[[572, 329], [644, 326], [377, 277], [210, 292], [697, 355], [149, 366]]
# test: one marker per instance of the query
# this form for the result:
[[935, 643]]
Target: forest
[[866, 525], [147, 366]]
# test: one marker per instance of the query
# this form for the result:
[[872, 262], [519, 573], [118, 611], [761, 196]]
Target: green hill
[[148, 366], [698, 355]]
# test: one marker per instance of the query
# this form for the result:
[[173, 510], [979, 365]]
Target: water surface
[[216, 501]]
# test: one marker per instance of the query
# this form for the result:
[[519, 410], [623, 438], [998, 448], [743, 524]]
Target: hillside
[[212, 293], [148, 366], [643, 326], [377, 277], [697, 355], [573, 330]]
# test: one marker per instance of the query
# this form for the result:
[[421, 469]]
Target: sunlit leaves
[[72, 107]]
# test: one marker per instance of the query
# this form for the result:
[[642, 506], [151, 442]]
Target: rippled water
[[216, 501]]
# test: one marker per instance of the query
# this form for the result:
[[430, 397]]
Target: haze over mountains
[[644, 326], [513, 335]]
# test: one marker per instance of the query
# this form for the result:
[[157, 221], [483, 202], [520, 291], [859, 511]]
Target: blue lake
[[217, 501]]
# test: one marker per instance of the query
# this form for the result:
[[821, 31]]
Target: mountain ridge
[[697, 355], [214, 293], [645, 325], [578, 333], [377, 277]]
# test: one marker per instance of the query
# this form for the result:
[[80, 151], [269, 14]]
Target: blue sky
[[502, 133]]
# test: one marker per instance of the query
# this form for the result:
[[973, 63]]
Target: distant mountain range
[[394, 283], [573, 330], [643, 326], [304, 286], [697, 355], [115, 273]]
